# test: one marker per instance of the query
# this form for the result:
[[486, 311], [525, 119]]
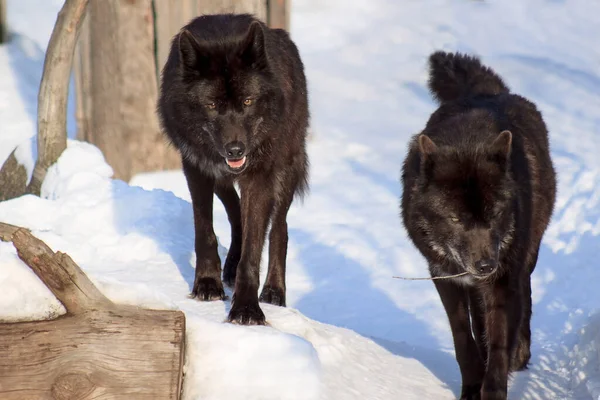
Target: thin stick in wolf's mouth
[[431, 278]]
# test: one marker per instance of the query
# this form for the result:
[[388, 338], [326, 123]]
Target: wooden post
[[97, 350], [279, 14], [117, 88]]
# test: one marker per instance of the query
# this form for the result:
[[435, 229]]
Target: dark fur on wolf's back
[[234, 102], [479, 191]]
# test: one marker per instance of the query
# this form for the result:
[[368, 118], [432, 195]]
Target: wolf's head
[[230, 90], [463, 202]]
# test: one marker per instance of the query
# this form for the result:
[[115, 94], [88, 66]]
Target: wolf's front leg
[[231, 202], [455, 302], [274, 288], [207, 282], [503, 314], [257, 205]]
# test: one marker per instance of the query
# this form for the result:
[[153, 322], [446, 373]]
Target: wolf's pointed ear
[[190, 50], [502, 144], [253, 45], [426, 146]]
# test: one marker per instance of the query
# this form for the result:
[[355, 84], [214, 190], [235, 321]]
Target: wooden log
[[54, 90], [98, 350]]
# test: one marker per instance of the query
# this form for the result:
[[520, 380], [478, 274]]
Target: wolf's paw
[[208, 289], [246, 312], [471, 392], [273, 295]]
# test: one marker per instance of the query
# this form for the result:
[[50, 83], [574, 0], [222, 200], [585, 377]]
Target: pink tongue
[[236, 163]]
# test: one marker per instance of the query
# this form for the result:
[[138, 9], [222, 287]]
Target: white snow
[[351, 331], [136, 246]]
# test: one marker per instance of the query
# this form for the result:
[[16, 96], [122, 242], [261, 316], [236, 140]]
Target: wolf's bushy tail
[[455, 75]]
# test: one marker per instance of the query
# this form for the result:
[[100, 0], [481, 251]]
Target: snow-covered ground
[[351, 331]]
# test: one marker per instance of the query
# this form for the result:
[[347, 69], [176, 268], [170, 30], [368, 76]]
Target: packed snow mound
[[137, 247]]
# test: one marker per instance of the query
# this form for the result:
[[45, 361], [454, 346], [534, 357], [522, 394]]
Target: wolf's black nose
[[235, 149], [485, 266]]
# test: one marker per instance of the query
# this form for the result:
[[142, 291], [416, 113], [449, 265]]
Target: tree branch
[[54, 90], [57, 270]]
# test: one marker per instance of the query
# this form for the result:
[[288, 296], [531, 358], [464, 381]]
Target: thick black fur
[[479, 191], [234, 88]]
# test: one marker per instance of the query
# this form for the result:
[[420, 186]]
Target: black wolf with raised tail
[[479, 192], [233, 100]]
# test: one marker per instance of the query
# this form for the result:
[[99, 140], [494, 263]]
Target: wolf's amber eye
[[210, 106], [454, 219], [248, 102]]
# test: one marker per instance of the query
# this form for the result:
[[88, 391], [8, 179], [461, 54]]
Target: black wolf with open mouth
[[234, 102]]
